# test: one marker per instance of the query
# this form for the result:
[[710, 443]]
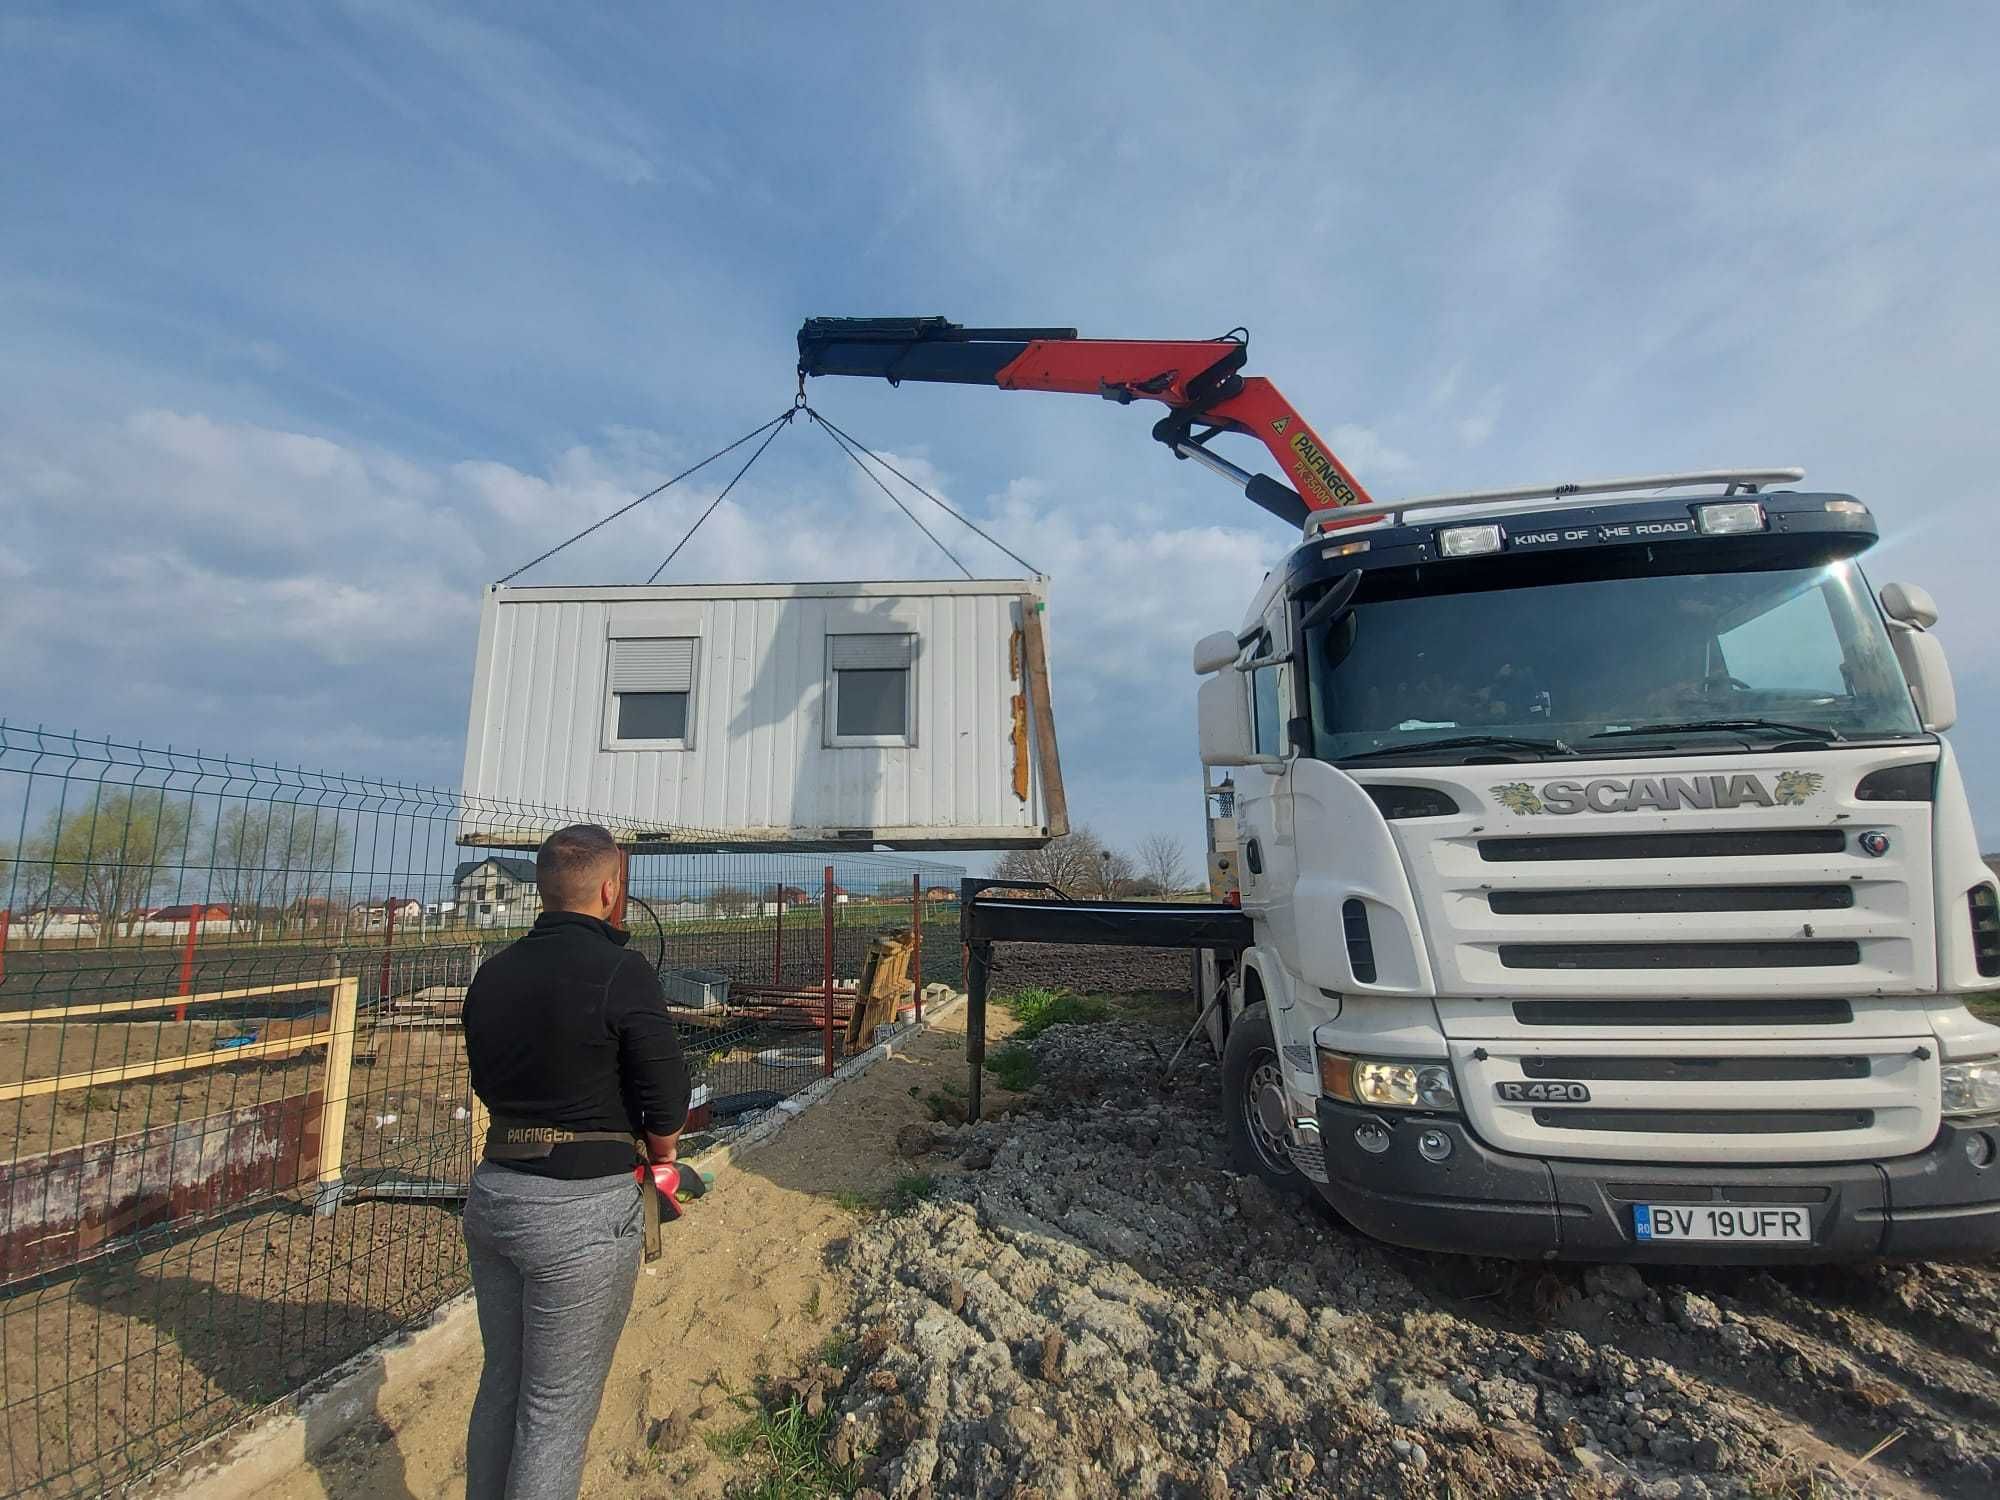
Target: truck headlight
[[1388, 1083], [1971, 1088]]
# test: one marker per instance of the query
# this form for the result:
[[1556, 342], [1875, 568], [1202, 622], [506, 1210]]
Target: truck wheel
[[1253, 1094]]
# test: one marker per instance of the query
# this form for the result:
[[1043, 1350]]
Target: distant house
[[208, 917], [940, 893], [498, 891], [375, 915], [59, 922]]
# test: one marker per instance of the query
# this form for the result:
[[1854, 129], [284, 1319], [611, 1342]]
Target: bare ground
[[744, 1292], [1091, 1303]]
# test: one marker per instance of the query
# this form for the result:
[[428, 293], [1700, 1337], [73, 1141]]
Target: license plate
[[1753, 1222]]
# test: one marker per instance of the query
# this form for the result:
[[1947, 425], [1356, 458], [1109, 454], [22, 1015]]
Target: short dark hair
[[571, 863]]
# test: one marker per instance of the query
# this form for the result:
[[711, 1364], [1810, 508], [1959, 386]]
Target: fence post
[[5, 916], [388, 937], [333, 1102], [917, 941], [778, 942], [195, 913], [826, 974]]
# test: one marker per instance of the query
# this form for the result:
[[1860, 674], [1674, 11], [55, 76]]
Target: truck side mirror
[[1214, 652], [1222, 712], [1912, 612], [1909, 604]]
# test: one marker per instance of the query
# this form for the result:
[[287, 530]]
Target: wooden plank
[[1048, 759], [168, 1002], [339, 1066], [1018, 737], [34, 1088]]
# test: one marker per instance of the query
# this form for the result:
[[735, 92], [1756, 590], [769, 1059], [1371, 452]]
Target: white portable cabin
[[811, 715]]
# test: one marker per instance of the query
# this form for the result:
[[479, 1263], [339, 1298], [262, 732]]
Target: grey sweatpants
[[553, 1267]]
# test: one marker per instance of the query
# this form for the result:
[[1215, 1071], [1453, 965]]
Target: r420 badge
[[1543, 1092]]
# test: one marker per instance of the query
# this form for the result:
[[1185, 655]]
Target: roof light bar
[[1732, 481]]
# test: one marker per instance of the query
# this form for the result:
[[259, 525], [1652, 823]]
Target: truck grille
[[1714, 844], [1697, 1069], [1650, 1013], [1807, 955], [1709, 1121], [1614, 901], [1701, 1097]]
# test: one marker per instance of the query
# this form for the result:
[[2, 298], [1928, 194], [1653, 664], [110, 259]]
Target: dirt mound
[[1107, 1309]]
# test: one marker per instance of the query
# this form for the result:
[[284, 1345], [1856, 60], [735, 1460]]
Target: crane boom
[[1199, 380]]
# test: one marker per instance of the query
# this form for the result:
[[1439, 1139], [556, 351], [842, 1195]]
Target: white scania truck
[[1614, 892], [1611, 892]]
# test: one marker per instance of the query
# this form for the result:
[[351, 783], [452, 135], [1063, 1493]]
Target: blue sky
[[314, 319]]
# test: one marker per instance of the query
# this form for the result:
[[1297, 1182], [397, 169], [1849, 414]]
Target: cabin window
[[871, 690], [1264, 702], [650, 693]]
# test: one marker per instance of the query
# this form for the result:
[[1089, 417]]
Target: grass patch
[[838, 1349], [1036, 1010], [1986, 1007], [909, 1191], [1013, 1068], [786, 1450], [853, 1202]]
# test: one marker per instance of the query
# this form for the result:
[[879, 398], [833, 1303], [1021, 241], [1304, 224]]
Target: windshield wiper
[[1464, 742], [1820, 732]]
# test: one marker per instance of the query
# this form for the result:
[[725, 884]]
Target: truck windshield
[[1700, 655]]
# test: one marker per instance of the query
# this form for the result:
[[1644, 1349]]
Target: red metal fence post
[[388, 937], [778, 942], [917, 941], [826, 974], [5, 916], [195, 913]]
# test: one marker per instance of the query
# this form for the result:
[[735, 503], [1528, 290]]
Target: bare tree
[[729, 901], [268, 858], [1074, 862], [112, 853], [1163, 860], [1115, 875]]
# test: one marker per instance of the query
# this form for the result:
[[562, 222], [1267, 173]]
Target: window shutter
[[872, 653], [652, 666]]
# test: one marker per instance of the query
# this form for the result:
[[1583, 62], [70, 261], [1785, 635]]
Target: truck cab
[[1615, 894]]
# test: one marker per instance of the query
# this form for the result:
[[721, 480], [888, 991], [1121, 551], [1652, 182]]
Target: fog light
[[1729, 518], [1979, 1150], [1434, 1145], [1371, 1138]]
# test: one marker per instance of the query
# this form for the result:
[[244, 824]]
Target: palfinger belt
[[523, 1140]]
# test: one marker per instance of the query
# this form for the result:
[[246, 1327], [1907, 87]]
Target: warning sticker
[[1280, 425], [1323, 479]]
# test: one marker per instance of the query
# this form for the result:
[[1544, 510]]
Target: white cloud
[[288, 595]]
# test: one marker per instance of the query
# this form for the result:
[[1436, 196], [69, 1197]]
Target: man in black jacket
[[572, 1050]]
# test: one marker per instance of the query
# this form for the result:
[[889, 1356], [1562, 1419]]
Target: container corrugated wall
[[760, 765]]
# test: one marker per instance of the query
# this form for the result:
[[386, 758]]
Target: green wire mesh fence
[[234, 1109]]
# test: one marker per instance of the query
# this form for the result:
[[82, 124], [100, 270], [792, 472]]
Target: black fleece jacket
[[567, 1027]]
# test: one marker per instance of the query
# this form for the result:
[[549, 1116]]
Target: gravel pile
[[1094, 1305]]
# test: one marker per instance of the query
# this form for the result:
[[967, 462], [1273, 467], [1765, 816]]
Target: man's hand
[[663, 1150]]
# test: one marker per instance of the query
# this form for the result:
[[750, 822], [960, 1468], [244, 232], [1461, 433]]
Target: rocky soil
[[1093, 1304]]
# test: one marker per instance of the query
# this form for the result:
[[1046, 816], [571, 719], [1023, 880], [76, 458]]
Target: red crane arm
[[1198, 380]]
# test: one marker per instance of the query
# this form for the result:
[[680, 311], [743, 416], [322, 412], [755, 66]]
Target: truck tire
[[1253, 1102]]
